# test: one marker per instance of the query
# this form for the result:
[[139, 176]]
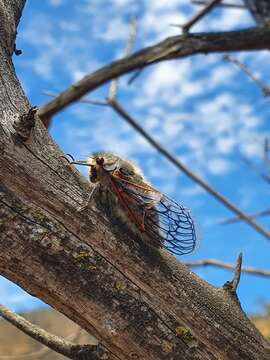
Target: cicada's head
[[102, 163]]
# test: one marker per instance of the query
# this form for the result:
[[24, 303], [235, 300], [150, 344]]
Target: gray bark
[[139, 302]]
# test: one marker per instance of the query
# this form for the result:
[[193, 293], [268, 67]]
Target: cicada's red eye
[[100, 161]]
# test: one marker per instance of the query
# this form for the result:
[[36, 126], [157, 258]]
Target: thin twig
[[237, 272], [236, 219], [266, 154], [174, 47], [225, 4], [256, 169], [264, 88], [231, 286], [130, 44], [228, 266], [204, 11], [55, 343], [120, 111], [83, 100], [43, 351]]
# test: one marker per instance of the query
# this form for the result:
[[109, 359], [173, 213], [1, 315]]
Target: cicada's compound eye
[[100, 161]]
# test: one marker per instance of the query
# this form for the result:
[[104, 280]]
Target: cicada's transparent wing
[[165, 222], [173, 225]]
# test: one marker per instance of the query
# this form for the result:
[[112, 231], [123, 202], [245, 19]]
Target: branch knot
[[24, 124]]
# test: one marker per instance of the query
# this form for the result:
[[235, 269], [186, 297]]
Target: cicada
[[122, 188]]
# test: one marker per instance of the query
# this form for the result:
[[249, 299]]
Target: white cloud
[[218, 166], [161, 5], [72, 26], [225, 145], [56, 2], [114, 30]]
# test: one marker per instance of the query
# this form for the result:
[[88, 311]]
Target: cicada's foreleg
[[88, 200]]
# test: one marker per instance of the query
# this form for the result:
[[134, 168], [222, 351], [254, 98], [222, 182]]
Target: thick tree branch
[[220, 264], [172, 48], [60, 345], [137, 301]]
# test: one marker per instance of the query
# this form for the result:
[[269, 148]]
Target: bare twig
[[43, 351], [223, 4], [60, 345], [256, 169], [231, 286], [264, 88], [256, 215], [205, 10], [266, 153], [83, 100], [172, 48], [228, 266], [237, 272], [130, 43]]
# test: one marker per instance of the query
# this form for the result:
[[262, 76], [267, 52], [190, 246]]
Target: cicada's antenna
[[76, 162], [72, 158]]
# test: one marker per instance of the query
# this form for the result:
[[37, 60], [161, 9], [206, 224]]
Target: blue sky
[[202, 109]]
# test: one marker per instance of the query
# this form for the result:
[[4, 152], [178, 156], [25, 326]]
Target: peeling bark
[[139, 302]]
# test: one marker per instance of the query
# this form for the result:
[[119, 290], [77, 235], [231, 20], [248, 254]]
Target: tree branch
[[120, 111], [172, 48], [223, 4], [42, 352], [255, 215], [260, 9], [197, 17], [237, 272], [216, 263], [264, 88], [141, 303], [130, 43], [254, 167], [60, 345], [114, 104]]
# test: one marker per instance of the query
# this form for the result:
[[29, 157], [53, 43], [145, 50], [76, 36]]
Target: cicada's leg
[[146, 207], [88, 200]]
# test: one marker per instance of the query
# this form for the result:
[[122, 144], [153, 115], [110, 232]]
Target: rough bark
[[140, 303]]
